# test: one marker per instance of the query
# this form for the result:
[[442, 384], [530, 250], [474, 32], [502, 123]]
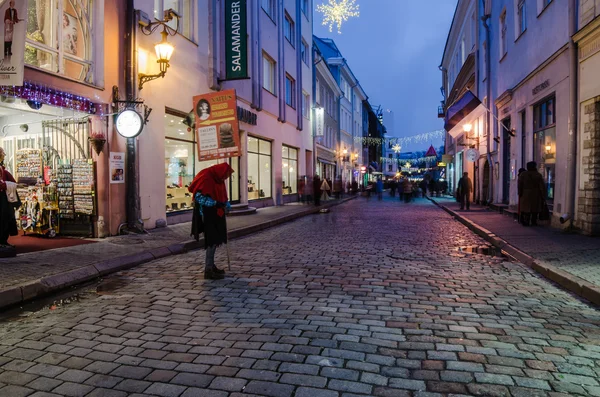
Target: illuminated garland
[[420, 138], [387, 160], [36, 95], [335, 12]]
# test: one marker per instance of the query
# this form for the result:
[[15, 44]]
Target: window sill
[[292, 44], [503, 57], [46, 71], [520, 35], [545, 8], [290, 106], [272, 93]]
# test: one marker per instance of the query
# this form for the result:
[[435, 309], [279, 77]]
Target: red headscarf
[[211, 182]]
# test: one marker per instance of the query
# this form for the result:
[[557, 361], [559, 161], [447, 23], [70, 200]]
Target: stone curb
[[565, 279], [56, 282]]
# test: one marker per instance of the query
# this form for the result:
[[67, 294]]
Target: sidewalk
[[571, 260], [32, 275]]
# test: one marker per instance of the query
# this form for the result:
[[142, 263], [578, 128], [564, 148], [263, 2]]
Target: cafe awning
[[460, 109]]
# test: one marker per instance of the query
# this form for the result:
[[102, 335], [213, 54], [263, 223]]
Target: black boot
[[211, 274]]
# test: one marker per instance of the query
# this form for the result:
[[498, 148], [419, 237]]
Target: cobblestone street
[[371, 299]]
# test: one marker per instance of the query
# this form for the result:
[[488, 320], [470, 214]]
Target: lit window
[[259, 168], [268, 74], [288, 29], [289, 174], [69, 54], [290, 91]]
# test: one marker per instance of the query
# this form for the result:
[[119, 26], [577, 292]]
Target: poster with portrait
[[70, 33], [14, 27], [117, 167], [217, 129]]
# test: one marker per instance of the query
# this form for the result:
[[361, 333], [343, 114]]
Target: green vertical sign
[[236, 40]]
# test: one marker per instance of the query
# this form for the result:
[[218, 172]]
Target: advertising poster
[[14, 26], [217, 129], [117, 167]]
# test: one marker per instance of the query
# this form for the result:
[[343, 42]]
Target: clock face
[[472, 154], [129, 123]]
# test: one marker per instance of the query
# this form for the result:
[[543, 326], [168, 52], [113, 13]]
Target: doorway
[[506, 161], [486, 183]]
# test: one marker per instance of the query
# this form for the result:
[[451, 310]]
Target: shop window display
[[290, 170], [259, 169], [181, 165], [544, 143]]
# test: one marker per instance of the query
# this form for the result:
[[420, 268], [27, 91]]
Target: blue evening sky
[[394, 49]]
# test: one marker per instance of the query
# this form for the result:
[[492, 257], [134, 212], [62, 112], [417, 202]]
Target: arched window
[[59, 37]]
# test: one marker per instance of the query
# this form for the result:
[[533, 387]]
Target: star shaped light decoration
[[335, 12], [397, 148]]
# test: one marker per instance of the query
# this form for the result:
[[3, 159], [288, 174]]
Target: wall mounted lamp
[[164, 49]]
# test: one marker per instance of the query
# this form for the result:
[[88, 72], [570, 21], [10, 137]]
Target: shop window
[[290, 91], [259, 168], [182, 8], [289, 173], [59, 37], [182, 165], [544, 143], [268, 73], [289, 29]]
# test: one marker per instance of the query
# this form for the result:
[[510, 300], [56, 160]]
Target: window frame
[[503, 35], [288, 158], [289, 28], [273, 73], [537, 111], [306, 105], [273, 9], [292, 91], [259, 154], [521, 17], [304, 52], [305, 6], [186, 12]]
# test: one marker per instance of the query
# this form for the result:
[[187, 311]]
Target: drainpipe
[[213, 46], [488, 128], [134, 222], [571, 188]]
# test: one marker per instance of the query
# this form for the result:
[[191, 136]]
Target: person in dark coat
[[531, 192], [212, 204], [317, 190], [8, 224], [519, 215], [465, 187]]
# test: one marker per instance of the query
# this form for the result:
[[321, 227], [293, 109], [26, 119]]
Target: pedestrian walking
[[407, 190], [325, 188], [393, 185], [316, 188], [211, 205], [531, 191], [423, 186], [8, 224], [379, 189], [519, 215], [465, 187], [338, 187]]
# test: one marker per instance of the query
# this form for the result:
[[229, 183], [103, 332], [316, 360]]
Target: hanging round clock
[[129, 123], [472, 154]]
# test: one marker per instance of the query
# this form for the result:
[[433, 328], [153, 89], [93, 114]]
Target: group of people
[[316, 189]]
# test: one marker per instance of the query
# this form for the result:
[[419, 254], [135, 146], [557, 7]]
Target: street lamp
[[467, 127], [164, 50]]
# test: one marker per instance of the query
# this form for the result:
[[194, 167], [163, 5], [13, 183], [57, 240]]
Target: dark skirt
[[215, 227], [8, 224]]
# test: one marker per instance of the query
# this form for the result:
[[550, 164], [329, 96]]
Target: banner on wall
[[217, 129], [14, 27], [320, 121], [236, 40]]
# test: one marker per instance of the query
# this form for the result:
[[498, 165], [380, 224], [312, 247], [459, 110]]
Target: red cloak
[[211, 182]]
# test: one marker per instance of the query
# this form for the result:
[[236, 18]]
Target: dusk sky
[[394, 49]]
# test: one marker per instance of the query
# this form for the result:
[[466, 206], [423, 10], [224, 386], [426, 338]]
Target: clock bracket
[[119, 105]]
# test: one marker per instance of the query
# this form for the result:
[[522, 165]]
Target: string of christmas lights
[[420, 138], [37, 95], [336, 12]]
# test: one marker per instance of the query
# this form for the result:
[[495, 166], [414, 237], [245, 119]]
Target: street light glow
[[467, 127]]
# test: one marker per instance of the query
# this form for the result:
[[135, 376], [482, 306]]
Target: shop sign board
[[14, 27], [320, 122], [217, 128], [117, 167], [236, 40]]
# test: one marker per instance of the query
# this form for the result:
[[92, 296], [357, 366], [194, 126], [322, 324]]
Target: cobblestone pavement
[[35, 265], [371, 299], [573, 253]]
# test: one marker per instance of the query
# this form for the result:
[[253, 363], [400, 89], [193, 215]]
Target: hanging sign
[[12, 63], [236, 40], [217, 128], [320, 121], [117, 167], [129, 123], [472, 154]]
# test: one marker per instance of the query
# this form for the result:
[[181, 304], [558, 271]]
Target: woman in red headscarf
[[210, 206]]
